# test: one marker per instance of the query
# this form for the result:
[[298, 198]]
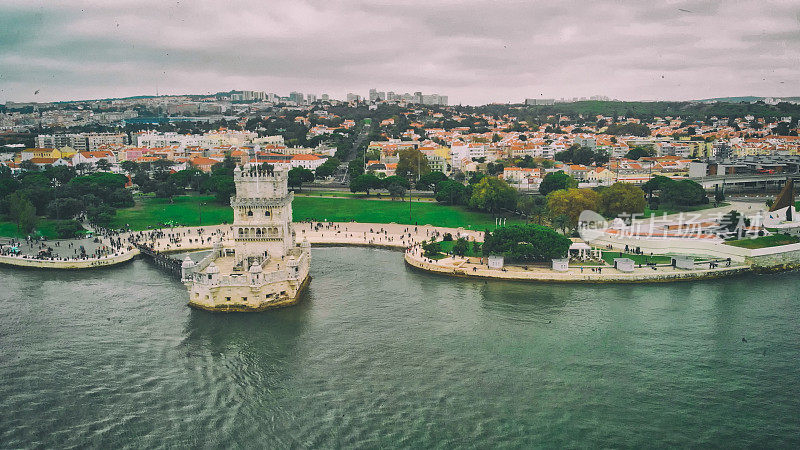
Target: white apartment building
[[96, 140]]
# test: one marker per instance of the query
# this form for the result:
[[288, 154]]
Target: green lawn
[[186, 210], [638, 259], [765, 241], [45, 227]]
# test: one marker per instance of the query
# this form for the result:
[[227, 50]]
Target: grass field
[[45, 227], [765, 241], [187, 210]]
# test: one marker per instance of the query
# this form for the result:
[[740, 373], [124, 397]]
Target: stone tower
[[262, 215]]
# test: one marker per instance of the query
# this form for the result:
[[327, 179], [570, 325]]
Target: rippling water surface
[[379, 355]]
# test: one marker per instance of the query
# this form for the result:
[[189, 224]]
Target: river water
[[380, 355]]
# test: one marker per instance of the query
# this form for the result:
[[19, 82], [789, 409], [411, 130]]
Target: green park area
[[188, 210], [773, 240], [44, 227], [150, 212]]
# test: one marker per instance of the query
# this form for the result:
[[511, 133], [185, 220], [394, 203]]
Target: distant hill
[[746, 99]]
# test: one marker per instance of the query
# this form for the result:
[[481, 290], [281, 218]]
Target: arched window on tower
[[266, 213], [249, 213]]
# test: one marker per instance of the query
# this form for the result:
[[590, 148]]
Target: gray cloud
[[475, 51]]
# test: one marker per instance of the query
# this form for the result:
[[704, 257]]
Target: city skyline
[[474, 52]]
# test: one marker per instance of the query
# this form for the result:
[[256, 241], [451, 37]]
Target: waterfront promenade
[[406, 238], [474, 268]]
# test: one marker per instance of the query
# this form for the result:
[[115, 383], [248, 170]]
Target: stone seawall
[[775, 262], [548, 276], [71, 264]]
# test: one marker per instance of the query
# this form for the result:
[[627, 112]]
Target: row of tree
[[61, 194]]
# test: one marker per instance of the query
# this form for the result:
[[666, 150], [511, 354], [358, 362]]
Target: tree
[[222, 185], [101, 214], [638, 152], [64, 208], [532, 207], [526, 243], [683, 193], [719, 196], [83, 167], [364, 183], [582, 155], [493, 194], [431, 249], [103, 165], [28, 166], [560, 222], [394, 179], [460, 247], [600, 157], [452, 192], [495, 168], [476, 177], [129, 166], [328, 168], [554, 181], [564, 156], [476, 248], [298, 176], [396, 190], [21, 212], [412, 163], [188, 178], [622, 198], [165, 189], [355, 168], [430, 180], [572, 202], [66, 229], [163, 165], [656, 183]]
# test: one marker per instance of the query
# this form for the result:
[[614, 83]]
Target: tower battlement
[[253, 182], [257, 172]]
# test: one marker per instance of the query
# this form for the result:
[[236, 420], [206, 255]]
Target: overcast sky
[[474, 51]]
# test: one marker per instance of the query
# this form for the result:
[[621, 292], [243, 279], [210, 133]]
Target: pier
[[163, 261]]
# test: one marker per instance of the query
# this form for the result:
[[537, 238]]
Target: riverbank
[[473, 268], [404, 237], [68, 264]]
